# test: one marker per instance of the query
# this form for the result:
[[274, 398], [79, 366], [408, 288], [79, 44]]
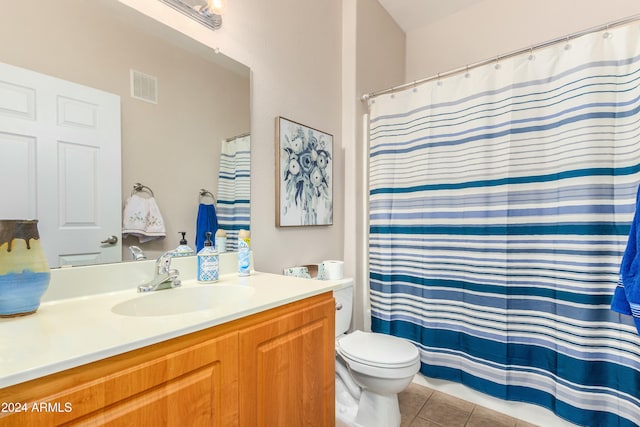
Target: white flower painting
[[305, 178]]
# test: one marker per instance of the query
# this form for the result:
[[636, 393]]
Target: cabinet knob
[[338, 306]]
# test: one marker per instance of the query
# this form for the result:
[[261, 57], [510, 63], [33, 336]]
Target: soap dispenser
[[183, 249], [208, 262]]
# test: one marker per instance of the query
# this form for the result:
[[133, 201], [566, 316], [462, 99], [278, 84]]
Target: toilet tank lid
[[377, 349]]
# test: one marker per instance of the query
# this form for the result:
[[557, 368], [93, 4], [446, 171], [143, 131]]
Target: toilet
[[371, 369]]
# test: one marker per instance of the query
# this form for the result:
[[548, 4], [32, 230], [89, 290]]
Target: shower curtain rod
[[242, 135], [367, 96]]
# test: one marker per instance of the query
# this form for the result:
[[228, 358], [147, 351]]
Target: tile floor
[[423, 407]]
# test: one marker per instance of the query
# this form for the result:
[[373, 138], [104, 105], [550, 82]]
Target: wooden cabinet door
[[189, 381], [287, 366]]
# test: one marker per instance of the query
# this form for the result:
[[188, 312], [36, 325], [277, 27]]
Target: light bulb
[[217, 6]]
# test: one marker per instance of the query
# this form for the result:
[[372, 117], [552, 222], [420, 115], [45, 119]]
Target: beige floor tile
[[413, 399], [446, 410], [521, 423], [406, 421], [483, 417], [421, 422], [422, 407]]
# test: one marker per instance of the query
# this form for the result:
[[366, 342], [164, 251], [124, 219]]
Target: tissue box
[[309, 271], [313, 270]]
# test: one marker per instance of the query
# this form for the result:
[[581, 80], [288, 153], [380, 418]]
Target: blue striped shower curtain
[[500, 206], [234, 188]]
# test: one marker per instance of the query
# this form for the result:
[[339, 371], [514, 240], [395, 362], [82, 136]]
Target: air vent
[[144, 87]]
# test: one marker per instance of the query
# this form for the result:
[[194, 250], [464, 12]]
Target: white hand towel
[[134, 215], [141, 218], [155, 224]]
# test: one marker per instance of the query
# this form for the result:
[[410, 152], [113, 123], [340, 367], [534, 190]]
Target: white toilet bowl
[[371, 369], [381, 366]]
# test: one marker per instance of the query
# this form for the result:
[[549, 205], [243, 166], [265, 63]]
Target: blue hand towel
[[626, 298], [207, 221]]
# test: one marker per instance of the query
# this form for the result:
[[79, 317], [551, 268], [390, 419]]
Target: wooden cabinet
[[287, 371], [274, 368], [192, 380]]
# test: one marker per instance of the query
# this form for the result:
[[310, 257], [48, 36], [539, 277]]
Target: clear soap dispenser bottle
[[208, 262]]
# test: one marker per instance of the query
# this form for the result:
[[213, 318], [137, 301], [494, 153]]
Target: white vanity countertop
[[71, 332]]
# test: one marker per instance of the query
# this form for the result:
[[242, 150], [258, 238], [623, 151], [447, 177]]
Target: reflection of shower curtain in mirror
[[500, 205], [234, 188]]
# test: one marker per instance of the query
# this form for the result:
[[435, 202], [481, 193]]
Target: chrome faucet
[[165, 276], [137, 254]]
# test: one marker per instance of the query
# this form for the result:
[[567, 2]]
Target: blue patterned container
[[208, 262], [24, 272]]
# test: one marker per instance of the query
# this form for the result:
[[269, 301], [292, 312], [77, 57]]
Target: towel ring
[[205, 193], [139, 187]]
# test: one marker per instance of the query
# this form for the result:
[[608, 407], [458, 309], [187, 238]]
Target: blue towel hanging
[[207, 221], [626, 298]]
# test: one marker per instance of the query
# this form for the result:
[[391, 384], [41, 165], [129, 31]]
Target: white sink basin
[[184, 300]]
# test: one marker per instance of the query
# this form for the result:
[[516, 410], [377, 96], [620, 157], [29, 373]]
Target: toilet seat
[[379, 355]]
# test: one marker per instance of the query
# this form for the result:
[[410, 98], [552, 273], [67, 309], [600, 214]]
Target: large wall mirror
[[172, 145]]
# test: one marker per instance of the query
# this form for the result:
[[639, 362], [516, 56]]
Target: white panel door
[[60, 163]]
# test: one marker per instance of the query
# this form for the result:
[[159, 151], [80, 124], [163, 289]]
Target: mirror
[[173, 146]]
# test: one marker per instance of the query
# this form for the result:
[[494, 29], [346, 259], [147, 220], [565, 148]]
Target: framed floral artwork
[[304, 169]]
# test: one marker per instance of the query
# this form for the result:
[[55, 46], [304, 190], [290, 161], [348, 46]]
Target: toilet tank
[[344, 300]]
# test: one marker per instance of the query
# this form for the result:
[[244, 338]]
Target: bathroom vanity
[[264, 358]]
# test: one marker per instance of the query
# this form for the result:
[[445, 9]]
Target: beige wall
[[173, 146], [493, 27], [379, 59]]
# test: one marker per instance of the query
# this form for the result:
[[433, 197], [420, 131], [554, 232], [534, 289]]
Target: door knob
[[112, 240]]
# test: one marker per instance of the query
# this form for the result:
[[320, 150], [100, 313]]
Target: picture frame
[[304, 175]]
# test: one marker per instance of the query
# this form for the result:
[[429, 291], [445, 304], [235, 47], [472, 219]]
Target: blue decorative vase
[[24, 272]]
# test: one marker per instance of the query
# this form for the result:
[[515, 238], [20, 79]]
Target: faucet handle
[[163, 263]]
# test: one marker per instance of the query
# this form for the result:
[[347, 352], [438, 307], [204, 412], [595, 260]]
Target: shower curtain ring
[[567, 46]]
